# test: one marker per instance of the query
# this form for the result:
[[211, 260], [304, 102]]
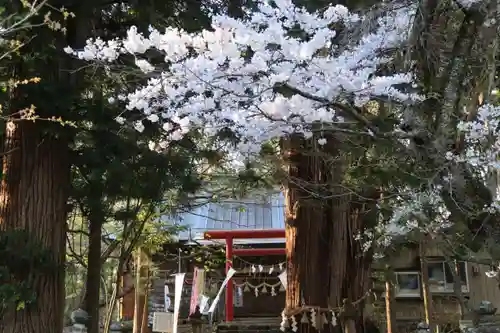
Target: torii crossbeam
[[229, 236]]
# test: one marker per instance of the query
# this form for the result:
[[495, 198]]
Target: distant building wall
[[407, 310]]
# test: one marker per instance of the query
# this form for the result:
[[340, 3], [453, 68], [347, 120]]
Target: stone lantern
[[79, 317], [423, 328]]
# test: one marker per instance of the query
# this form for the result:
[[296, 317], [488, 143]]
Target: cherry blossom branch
[[354, 112]]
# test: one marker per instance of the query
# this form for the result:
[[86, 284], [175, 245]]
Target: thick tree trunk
[[33, 195], [454, 52], [326, 266], [92, 294], [457, 287]]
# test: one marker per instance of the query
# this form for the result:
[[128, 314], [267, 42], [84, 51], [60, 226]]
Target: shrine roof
[[245, 214]]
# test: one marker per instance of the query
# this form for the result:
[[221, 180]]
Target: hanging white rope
[[261, 288], [254, 268]]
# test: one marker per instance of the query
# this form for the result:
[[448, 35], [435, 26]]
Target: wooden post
[[229, 286], [457, 286], [389, 289], [138, 297], [145, 309], [425, 285], [229, 236]]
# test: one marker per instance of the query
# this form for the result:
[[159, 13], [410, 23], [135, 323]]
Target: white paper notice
[[167, 298], [283, 278], [216, 300], [179, 283], [238, 297]]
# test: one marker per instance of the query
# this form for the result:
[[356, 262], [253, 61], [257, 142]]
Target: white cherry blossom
[[482, 139], [257, 79], [254, 77]]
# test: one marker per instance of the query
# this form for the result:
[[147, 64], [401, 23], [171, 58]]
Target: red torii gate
[[229, 236]]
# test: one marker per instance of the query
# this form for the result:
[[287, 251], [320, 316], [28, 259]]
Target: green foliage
[[22, 260], [112, 165], [117, 176], [208, 257], [156, 234]]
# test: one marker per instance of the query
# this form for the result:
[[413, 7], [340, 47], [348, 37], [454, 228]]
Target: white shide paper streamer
[[283, 278], [167, 298], [226, 280], [179, 283], [203, 303]]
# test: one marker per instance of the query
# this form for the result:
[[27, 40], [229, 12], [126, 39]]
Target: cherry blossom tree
[[375, 115]]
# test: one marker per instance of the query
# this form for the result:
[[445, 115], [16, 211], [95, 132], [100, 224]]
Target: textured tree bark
[[33, 194], [326, 266], [457, 287], [92, 294], [454, 52]]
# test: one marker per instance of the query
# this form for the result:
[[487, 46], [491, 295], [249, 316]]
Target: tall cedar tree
[[36, 175]]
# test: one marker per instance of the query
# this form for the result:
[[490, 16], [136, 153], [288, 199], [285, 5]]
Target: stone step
[[276, 330], [251, 325], [250, 329]]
